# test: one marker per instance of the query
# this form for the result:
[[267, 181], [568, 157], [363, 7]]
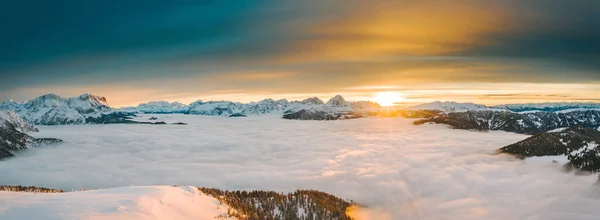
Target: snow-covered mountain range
[[267, 106], [51, 109], [527, 107], [158, 107], [548, 106], [224, 108], [525, 123]]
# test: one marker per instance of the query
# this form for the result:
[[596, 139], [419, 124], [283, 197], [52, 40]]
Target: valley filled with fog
[[395, 169]]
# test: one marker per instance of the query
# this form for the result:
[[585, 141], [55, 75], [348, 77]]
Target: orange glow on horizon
[[388, 98]]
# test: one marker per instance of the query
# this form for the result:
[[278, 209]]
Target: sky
[[482, 51]]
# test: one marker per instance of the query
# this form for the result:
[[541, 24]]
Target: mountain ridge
[[578, 145], [51, 109]]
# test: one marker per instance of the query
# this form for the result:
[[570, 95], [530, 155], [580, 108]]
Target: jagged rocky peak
[[312, 101], [89, 104], [337, 101], [98, 100]]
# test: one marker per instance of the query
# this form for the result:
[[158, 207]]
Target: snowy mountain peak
[[48, 100], [49, 96], [337, 101], [51, 109], [312, 101]]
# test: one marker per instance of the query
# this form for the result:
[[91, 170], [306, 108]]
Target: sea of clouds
[[395, 169]]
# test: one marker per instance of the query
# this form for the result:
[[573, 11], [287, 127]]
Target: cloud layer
[[387, 164]]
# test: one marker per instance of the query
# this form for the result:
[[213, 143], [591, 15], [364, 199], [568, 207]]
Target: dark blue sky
[[207, 48]]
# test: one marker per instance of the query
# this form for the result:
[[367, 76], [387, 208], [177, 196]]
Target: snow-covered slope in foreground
[[151, 202]]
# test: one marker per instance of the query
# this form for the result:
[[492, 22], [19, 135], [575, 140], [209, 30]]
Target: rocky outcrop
[[16, 120], [237, 115], [113, 118], [13, 137]]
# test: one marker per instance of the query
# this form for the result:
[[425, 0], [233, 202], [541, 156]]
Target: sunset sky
[[481, 51]]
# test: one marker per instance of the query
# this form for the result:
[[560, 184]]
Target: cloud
[[253, 76], [380, 29], [324, 46], [387, 165]]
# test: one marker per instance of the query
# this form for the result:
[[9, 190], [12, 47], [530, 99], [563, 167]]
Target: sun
[[388, 98]]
